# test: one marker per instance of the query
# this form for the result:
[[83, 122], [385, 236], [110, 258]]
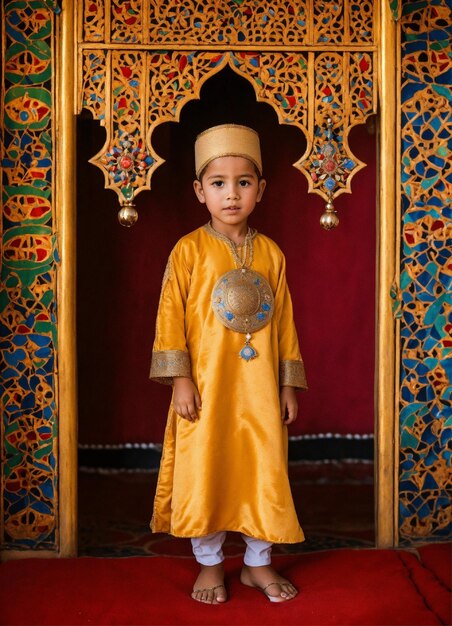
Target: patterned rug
[[334, 501]]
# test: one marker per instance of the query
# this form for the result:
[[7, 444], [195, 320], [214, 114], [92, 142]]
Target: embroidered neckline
[[211, 230]]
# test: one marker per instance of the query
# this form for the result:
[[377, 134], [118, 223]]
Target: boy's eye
[[217, 183], [244, 183]]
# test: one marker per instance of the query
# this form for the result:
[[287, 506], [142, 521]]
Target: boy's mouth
[[231, 208]]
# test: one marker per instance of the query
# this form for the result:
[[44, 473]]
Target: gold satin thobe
[[228, 469]]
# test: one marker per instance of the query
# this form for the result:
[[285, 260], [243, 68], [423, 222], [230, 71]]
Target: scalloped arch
[[134, 91], [228, 60]]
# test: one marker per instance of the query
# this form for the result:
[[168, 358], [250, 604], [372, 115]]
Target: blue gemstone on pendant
[[330, 183], [261, 316], [229, 316], [247, 353], [265, 306]]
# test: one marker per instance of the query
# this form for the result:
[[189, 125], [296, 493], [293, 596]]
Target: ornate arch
[[316, 69]]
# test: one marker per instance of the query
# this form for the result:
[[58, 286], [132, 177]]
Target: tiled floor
[[334, 501]]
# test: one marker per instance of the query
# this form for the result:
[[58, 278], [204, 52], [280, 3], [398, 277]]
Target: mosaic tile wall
[[426, 271], [27, 298]]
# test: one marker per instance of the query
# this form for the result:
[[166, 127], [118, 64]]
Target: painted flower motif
[[330, 168], [125, 162]]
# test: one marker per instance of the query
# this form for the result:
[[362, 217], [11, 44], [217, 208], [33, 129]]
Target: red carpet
[[437, 558], [435, 589], [346, 587]]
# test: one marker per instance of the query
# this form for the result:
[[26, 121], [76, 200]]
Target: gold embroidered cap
[[227, 140]]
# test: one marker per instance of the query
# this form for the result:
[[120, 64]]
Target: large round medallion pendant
[[243, 300]]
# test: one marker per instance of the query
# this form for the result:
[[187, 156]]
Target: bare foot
[[275, 587], [209, 586]]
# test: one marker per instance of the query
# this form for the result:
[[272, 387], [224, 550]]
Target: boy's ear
[[260, 193], [199, 191]]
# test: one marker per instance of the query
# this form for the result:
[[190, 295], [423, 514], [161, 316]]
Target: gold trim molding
[[66, 282], [386, 443]]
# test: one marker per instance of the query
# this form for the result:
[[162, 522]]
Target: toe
[[275, 591], [279, 598], [288, 591], [281, 592], [209, 597], [293, 590], [200, 596], [196, 595], [220, 595]]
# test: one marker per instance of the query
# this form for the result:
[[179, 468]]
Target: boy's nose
[[233, 192]]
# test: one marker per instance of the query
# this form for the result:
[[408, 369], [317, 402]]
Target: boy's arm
[[291, 366], [170, 355]]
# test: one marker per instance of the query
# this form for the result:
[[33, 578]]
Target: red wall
[[331, 274]]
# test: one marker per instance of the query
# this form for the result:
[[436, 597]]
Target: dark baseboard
[[331, 448], [147, 456]]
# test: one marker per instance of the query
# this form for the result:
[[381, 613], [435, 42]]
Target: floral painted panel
[[28, 325]]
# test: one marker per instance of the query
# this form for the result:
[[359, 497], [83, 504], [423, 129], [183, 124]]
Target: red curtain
[[331, 274]]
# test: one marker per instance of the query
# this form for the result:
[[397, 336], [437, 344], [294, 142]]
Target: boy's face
[[230, 188]]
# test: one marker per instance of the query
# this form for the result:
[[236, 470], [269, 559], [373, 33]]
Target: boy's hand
[[289, 404], [186, 399]]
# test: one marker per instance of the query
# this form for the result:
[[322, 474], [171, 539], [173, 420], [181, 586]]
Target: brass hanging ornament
[[127, 214], [125, 164], [329, 219], [331, 167]]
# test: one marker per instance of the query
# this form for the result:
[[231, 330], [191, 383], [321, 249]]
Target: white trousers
[[208, 550]]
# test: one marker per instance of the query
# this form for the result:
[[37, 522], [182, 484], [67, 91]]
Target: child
[[226, 341]]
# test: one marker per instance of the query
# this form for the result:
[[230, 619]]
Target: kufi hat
[[227, 140]]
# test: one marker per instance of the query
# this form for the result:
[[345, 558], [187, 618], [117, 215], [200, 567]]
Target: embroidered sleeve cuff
[[292, 374], [169, 363]]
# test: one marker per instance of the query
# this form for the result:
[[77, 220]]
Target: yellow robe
[[227, 470]]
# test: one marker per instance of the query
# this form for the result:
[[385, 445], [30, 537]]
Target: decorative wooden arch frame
[[314, 64], [386, 399]]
